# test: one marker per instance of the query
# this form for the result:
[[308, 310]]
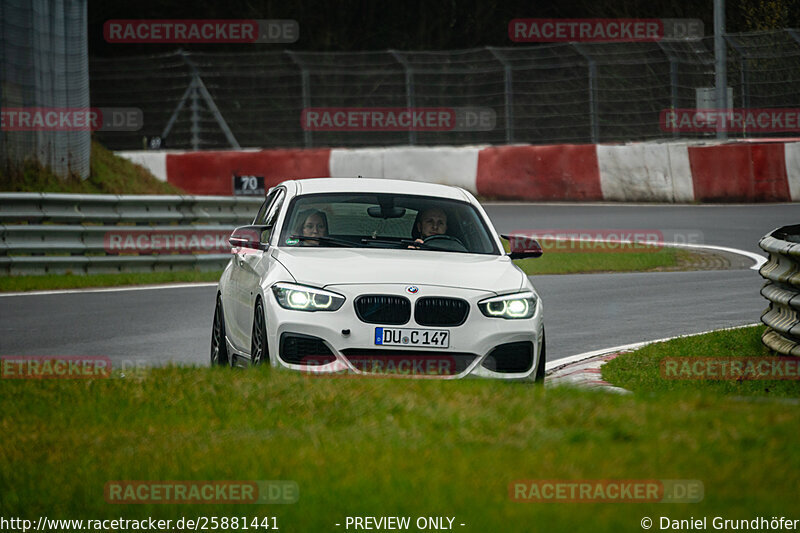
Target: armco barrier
[[43, 233], [782, 289], [112, 209]]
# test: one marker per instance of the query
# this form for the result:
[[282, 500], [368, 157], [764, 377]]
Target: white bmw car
[[378, 276]]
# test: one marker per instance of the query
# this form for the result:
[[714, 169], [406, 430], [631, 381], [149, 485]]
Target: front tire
[[542, 361], [258, 340], [219, 347]]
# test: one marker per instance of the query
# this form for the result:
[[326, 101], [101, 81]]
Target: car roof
[[378, 185]]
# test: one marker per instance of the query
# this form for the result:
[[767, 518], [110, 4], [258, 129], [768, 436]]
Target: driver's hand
[[416, 247]]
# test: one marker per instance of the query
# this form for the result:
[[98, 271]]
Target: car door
[[236, 298], [255, 265]]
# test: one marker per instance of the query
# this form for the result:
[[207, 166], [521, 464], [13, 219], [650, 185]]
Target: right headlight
[[510, 306], [303, 298]]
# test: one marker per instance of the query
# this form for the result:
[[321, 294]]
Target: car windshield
[[407, 222]]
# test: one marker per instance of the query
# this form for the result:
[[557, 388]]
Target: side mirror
[[522, 246], [248, 237]]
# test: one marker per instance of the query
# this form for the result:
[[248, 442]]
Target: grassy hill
[[109, 174]]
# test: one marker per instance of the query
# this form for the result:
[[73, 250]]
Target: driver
[[429, 222]]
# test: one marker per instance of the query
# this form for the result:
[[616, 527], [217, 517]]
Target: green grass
[[387, 447], [109, 174], [549, 263], [584, 263], [72, 281], [582, 260], [640, 371]]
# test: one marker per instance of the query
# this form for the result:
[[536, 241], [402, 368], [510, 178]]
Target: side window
[[271, 215], [262, 212]]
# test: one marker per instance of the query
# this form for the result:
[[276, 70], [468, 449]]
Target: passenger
[[312, 223]]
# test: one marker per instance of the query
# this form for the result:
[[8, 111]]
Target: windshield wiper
[[402, 243], [327, 240]]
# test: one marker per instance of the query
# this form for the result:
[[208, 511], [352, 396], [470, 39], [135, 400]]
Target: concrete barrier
[[645, 172], [738, 171], [210, 172], [791, 154], [446, 165], [524, 172]]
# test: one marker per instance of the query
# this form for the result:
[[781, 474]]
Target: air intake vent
[[511, 358], [383, 309], [297, 349]]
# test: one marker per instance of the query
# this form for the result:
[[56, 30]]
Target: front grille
[[438, 311], [513, 357], [383, 309], [300, 349], [409, 362]]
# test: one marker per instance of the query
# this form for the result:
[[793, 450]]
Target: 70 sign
[[248, 186]]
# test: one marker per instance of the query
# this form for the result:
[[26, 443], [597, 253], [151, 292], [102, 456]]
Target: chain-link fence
[[550, 93], [44, 64]]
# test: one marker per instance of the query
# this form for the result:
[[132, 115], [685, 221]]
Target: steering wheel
[[445, 242]]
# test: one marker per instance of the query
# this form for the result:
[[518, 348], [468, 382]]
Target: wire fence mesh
[[44, 63], [549, 93]]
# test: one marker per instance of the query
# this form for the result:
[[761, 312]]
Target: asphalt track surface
[[582, 312]]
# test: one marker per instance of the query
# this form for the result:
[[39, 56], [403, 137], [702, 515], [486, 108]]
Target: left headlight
[[302, 298], [510, 306]]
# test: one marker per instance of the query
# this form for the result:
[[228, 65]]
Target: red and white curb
[[584, 374], [583, 370]]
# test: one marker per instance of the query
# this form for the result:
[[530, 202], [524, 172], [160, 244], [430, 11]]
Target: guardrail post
[[743, 77], [308, 141], [594, 127], [509, 93], [673, 81], [412, 134], [720, 64]]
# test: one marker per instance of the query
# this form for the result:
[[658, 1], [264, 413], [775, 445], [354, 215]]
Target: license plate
[[430, 338]]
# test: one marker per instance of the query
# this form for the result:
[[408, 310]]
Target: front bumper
[[351, 342]]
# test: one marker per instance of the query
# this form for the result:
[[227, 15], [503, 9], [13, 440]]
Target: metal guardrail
[[782, 289], [112, 209], [42, 233]]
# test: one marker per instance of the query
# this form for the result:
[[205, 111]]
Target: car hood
[[333, 266]]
